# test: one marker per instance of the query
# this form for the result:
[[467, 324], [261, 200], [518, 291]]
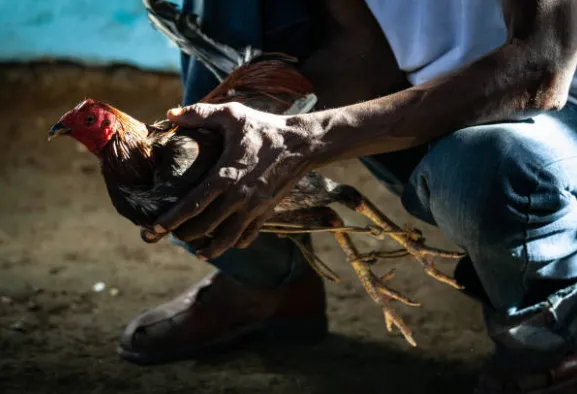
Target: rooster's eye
[[90, 119]]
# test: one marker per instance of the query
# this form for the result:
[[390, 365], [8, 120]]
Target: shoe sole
[[309, 329]]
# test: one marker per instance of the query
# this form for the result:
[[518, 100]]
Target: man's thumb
[[196, 115], [175, 111], [211, 116]]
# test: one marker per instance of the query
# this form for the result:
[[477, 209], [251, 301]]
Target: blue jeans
[[505, 193]]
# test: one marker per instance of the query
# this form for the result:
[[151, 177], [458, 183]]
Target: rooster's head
[[91, 123]]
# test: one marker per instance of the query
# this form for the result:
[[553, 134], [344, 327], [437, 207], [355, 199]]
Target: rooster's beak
[[57, 130]]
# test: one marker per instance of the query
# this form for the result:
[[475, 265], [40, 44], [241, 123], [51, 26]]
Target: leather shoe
[[219, 313]]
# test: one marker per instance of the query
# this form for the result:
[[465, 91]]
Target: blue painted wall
[[96, 32]]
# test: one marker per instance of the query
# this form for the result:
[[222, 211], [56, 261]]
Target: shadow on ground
[[337, 365]]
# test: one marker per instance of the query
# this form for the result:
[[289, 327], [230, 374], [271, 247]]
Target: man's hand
[[263, 158]]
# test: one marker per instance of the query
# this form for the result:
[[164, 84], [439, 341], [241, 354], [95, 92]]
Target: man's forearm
[[517, 80]]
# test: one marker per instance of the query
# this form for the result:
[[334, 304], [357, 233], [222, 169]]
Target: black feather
[[180, 159]]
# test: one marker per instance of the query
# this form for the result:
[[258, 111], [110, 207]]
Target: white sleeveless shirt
[[430, 37]]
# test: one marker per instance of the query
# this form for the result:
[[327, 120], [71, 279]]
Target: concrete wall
[[96, 32]]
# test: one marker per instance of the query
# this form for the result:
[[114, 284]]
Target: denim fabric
[[269, 261], [506, 193], [503, 192]]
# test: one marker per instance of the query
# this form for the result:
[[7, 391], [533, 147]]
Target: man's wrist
[[321, 133]]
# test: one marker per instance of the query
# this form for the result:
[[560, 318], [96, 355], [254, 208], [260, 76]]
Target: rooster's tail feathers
[[183, 29]]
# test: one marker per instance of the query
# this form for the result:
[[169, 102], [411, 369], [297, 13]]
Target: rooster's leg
[[375, 286], [410, 240]]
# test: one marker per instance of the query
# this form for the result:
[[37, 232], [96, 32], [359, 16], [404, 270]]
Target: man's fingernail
[[148, 235], [176, 111], [158, 229], [201, 257]]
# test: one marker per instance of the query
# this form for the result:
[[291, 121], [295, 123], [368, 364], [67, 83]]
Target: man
[[490, 83]]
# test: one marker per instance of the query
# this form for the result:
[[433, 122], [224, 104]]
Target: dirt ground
[[59, 236]]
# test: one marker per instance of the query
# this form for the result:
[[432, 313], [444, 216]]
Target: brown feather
[[271, 86], [128, 155]]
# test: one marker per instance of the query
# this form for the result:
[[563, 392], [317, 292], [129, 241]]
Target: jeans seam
[[290, 25], [295, 254], [551, 317], [525, 253], [524, 225], [292, 268]]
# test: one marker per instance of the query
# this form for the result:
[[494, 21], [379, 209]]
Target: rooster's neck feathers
[[129, 153]]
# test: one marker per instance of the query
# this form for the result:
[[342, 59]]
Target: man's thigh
[[506, 193]]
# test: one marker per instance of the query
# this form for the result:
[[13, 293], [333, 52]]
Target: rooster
[[148, 167]]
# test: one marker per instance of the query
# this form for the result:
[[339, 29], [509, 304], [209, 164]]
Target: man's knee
[[461, 171], [493, 178], [506, 194]]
